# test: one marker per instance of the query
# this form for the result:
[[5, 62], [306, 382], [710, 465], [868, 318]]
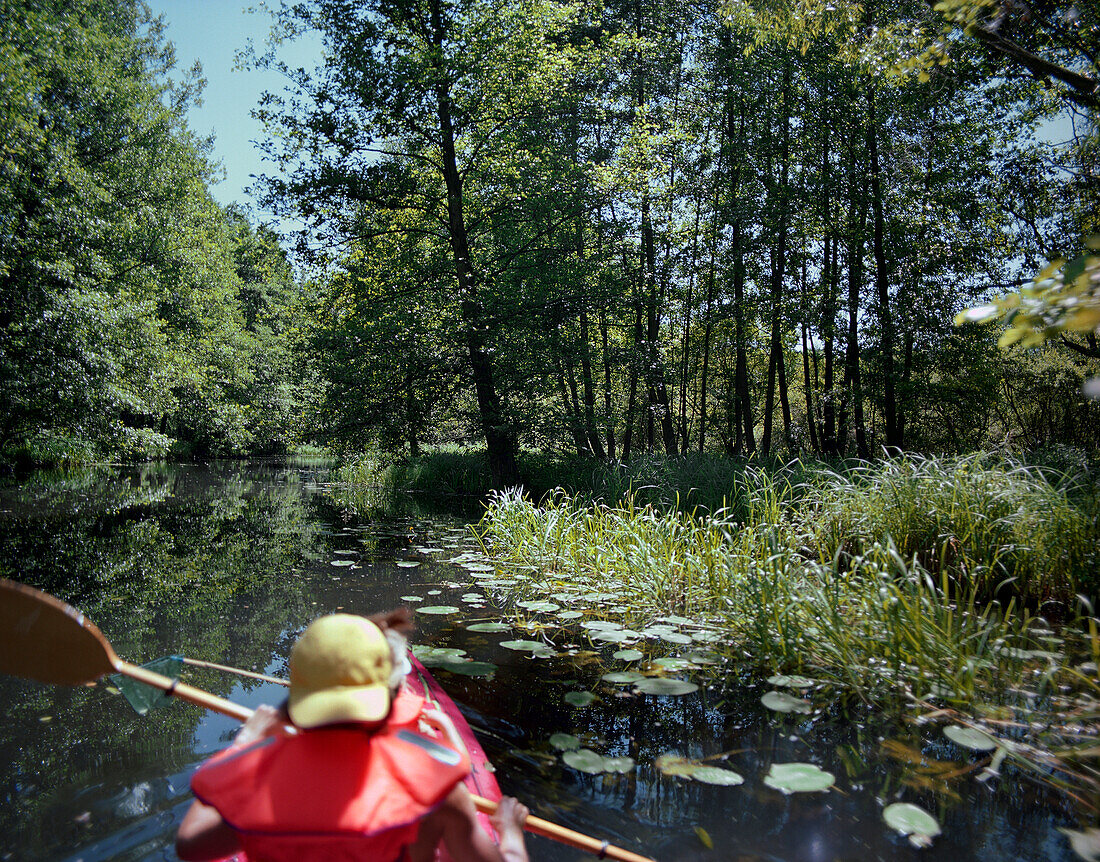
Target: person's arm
[[455, 824], [203, 834]]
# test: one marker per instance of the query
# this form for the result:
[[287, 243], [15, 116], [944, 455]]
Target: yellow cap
[[339, 672]]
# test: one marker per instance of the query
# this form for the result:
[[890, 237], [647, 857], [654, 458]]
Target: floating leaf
[[618, 764], [541, 607], [570, 615], [628, 655], [675, 765], [601, 625], [969, 737], [470, 668], [702, 657], [676, 621], [579, 698], [717, 775], [674, 665], [912, 820], [412, 599], [780, 701], [433, 656], [622, 677], [675, 638], [662, 686], [439, 610], [527, 646], [489, 627], [798, 778], [784, 681], [682, 767], [1085, 843], [408, 564], [704, 837], [565, 742], [586, 760], [343, 564]]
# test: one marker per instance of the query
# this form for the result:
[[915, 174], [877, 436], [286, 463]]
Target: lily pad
[[489, 627], [570, 615], [969, 737], [780, 701], [408, 564], [662, 686], [438, 610], [1085, 843], [717, 775], [586, 760], [470, 668], [675, 638], [342, 563], [798, 778], [675, 765], [682, 767], [614, 637], [526, 646], [784, 681], [913, 821], [601, 625], [628, 655], [412, 598], [429, 654], [565, 742], [579, 698], [622, 677], [675, 665], [541, 607]]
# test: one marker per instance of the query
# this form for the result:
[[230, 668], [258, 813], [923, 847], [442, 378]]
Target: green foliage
[[993, 528], [873, 613], [127, 327]]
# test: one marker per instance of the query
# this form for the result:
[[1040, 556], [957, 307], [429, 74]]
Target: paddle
[[46, 640]]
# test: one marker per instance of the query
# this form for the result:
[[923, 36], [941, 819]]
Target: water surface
[[228, 563]]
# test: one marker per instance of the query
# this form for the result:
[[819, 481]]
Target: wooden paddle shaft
[[224, 667], [545, 828], [184, 691]]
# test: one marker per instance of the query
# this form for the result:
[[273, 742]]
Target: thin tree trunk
[[882, 284], [500, 440]]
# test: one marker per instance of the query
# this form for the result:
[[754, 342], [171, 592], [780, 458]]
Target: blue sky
[[212, 32]]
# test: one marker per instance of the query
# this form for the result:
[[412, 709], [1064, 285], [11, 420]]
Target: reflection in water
[[228, 564]]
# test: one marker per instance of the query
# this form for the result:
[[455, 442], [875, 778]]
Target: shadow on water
[[229, 563]]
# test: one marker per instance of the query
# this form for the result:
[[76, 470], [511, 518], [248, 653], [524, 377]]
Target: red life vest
[[331, 793]]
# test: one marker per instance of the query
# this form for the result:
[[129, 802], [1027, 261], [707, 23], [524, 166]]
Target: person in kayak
[[343, 770]]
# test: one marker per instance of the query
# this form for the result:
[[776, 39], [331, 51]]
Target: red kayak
[[481, 780]]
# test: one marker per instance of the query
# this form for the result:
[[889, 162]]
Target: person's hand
[[264, 722], [510, 816]]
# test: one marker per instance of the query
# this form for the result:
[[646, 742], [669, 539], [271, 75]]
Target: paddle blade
[[44, 639]]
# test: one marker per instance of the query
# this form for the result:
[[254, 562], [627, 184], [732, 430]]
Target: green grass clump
[[997, 529], [875, 623]]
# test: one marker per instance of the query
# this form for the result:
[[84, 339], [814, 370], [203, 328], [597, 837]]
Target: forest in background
[[635, 227]]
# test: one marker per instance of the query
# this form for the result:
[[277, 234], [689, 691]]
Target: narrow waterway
[[229, 563]]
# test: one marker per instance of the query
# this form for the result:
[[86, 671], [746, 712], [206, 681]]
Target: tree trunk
[[882, 284], [500, 439]]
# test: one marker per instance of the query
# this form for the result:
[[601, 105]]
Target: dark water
[[228, 564]]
